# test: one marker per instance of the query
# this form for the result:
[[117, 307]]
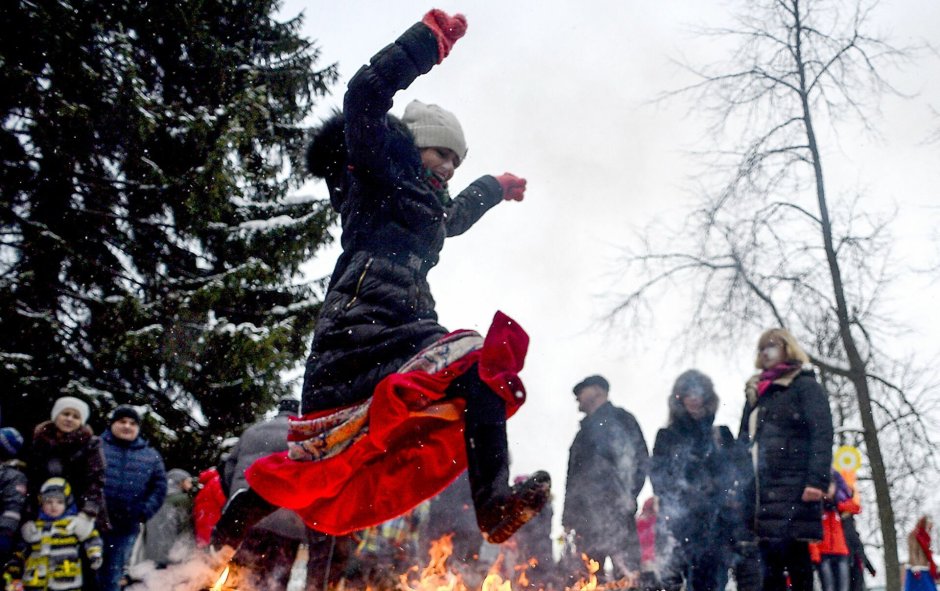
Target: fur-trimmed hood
[[326, 152], [692, 381]]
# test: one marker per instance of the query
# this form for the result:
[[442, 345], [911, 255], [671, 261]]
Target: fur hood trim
[[326, 152]]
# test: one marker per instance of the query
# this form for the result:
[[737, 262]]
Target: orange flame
[[220, 582]]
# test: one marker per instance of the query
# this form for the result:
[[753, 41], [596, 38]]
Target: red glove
[[446, 28], [513, 186]]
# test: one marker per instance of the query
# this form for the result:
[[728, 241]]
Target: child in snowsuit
[[393, 406], [831, 555], [55, 553]]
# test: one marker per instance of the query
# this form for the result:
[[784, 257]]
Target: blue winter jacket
[[134, 482]]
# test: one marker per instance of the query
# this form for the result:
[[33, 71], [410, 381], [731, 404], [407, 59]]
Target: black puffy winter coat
[[12, 498], [789, 430], [378, 311], [696, 471]]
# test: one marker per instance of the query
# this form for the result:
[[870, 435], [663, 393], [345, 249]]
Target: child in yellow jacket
[[55, 554]]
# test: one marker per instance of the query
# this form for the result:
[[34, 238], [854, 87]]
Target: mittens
[[81, 526], [447, 29], [513, 186], [30, 532]]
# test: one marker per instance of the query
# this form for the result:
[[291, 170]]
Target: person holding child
[[66, 447]]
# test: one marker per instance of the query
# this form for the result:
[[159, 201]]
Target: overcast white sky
[[558, 92]]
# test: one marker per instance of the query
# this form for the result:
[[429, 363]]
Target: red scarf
[[923, 538], [768, 376]]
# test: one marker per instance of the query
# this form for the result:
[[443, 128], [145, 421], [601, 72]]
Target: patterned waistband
[[325, 436]]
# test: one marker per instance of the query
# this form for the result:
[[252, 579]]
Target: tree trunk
[[857, 372]]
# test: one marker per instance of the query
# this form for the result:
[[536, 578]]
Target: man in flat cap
[[607, 466]]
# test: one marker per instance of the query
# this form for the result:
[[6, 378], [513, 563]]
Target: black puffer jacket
[[791, 444], [12, 497], [696, 470], [378, 311]]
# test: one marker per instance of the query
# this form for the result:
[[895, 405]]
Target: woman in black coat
[[388, 179], [695, 470], [788, 426]]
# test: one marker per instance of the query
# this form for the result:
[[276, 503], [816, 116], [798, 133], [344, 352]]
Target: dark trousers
[[786, 565], [702, 569], [117, 552], [485, 438], [268, 559], [328, 559], [623, 549]]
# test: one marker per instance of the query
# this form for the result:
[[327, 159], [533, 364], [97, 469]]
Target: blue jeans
[[117, 551], [834, 572]]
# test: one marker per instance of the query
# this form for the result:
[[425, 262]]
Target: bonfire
[[438, 575]]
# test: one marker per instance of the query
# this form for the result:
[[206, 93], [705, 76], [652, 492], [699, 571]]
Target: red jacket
[[833, 541], [207, 506], [646, 531]]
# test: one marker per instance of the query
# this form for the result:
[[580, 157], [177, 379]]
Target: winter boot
[[243, 510], [500, 510], [524, 502]]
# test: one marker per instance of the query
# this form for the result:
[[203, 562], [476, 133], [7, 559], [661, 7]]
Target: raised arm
[[370, 92]]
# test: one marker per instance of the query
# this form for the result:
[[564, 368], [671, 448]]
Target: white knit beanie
[[434, 127], [73, 403]]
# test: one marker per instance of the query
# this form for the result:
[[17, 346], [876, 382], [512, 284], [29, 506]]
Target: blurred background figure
[[646, 532], [270, 546], [696, 470], [607, 465], [921, 569], [168, 535], [12, 491], [210, 498]]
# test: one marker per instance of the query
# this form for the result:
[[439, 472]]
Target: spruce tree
[[151, 236]]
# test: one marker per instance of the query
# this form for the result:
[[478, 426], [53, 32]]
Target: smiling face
[[442, 162], [68, 420]]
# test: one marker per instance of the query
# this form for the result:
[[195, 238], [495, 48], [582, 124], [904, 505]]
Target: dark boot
[[500, 510], [243, 510], [500, 518]]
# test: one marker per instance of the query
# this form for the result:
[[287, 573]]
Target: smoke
[[200, 571]]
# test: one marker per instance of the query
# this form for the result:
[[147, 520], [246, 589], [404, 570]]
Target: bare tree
[[769, 244]]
